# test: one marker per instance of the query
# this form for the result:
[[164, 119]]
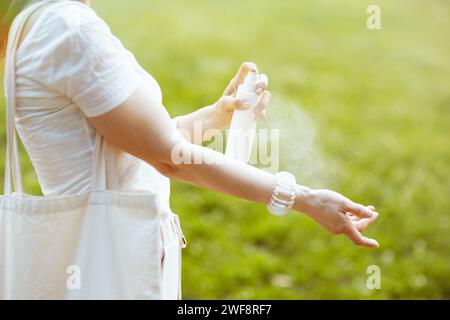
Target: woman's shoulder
[[61, 27], [62, 20], [69, 15]]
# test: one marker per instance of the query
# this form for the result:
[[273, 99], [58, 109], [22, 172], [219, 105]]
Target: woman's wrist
[[213, 119], [303, 197], [205, 119]]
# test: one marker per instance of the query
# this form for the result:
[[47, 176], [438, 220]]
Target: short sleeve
[[91, 66]]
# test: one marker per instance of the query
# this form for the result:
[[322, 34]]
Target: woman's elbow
[[174, 159], [165, 169]]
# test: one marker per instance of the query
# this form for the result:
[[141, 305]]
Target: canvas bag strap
[[105, 174], [12, 163]]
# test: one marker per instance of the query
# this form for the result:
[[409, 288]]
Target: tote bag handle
[[12, 163]]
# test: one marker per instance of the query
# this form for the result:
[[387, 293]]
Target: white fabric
[[69, 67], [108, 242]]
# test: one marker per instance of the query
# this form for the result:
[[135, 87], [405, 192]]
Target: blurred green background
[[366, 113]]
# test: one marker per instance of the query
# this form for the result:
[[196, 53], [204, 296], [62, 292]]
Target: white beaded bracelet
[[283, 196]]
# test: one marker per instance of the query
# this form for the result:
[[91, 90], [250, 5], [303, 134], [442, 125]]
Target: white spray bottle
[[241, 134]]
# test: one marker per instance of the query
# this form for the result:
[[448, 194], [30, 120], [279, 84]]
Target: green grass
[[379, 102]]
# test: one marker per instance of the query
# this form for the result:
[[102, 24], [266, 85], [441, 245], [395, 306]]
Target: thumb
[[239, 78], [229, 103]]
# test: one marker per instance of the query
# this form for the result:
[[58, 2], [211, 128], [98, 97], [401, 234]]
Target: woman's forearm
[[214, 171]]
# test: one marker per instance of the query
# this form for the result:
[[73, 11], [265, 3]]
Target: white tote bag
[[105, 244]]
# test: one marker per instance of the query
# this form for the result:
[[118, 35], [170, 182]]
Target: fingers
[[362, 224], [260, 116], [239, 78], [262, 85], [358, 239], [359, 210], [352, 217], [245, 68], [230, 103], [260, 108]]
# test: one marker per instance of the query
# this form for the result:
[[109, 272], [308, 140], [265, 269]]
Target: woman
[[74, 78]]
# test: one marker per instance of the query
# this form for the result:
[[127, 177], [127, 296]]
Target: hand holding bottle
[[229, 102]]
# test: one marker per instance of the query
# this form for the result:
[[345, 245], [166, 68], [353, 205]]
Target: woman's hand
[[216, 117], [337, 214], [225, 106]]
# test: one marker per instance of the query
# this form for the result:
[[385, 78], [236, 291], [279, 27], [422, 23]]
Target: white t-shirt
[[69, 67]]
